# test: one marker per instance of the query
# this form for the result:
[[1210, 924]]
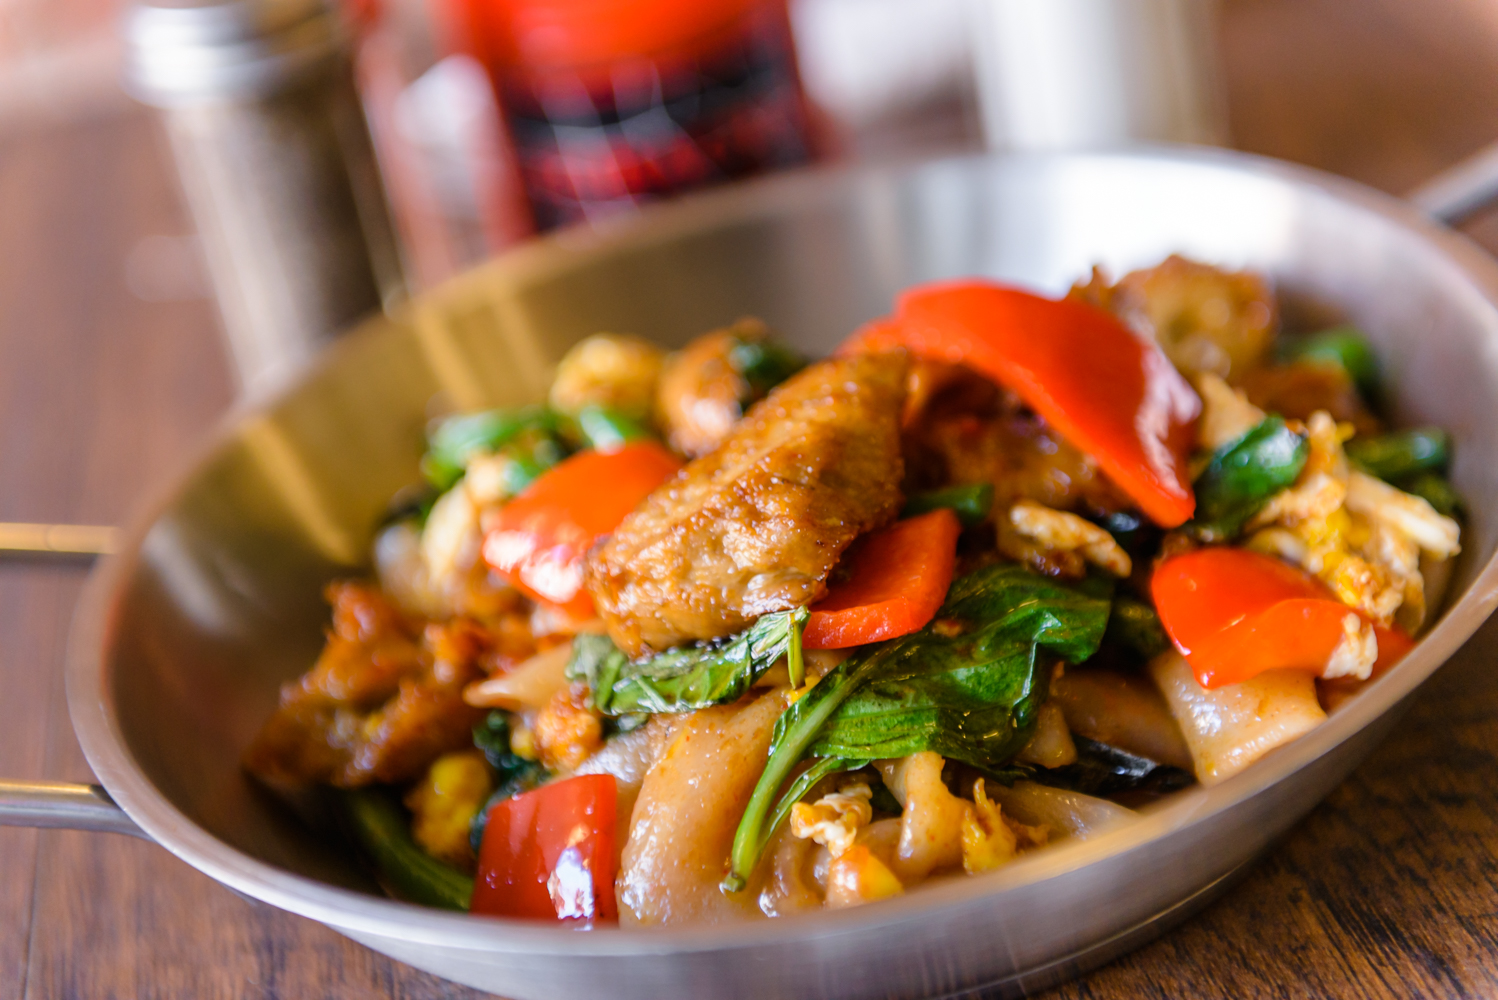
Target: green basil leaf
[[1135, 624], [764, 364], [1400, 453], [971, 503], [686, 679], [1245, 473], [513, 773], [1345, 346], [382, 827], [1435, 490], [967, 686], [455, 440], [609, 430]]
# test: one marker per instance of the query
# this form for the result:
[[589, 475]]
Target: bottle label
[[621, 135]]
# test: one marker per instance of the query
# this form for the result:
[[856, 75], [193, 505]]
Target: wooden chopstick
[[61, 539]]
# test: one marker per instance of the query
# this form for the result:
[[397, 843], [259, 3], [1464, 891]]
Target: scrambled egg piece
[[1356, 652], [834, 820], [1359, 535], [1056, 531], [990, 839], [455, 788]]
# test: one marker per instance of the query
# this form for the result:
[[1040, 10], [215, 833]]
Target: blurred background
[[282, 168], [205, 202]]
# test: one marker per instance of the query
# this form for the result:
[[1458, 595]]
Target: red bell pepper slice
[[549, 854], [540, 538], [1109, 392], [1234, 614], [897, 578]]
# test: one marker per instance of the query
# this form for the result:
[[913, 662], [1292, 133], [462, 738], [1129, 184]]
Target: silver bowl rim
[[95, 622]]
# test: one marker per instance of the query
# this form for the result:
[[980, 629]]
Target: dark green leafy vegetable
[[971, 503], [1400, 453], [1435, 490], [1104, 770], [1245, 473], [513, 773], [966, 686], [456, 440], [1345, 346], [764, 364], [1134, 624], [609, 430], [382, 828], [686, 679]]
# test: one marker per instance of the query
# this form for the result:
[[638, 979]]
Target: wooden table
[[1390, 888]]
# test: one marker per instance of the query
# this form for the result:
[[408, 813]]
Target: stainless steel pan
[[181, 640]]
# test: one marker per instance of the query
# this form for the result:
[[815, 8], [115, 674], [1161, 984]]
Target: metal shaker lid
[[191, 51]]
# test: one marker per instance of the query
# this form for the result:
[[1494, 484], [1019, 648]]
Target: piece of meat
[[381, 703], [1301, 388], [1205, 319], [756, 526], [962, 428]]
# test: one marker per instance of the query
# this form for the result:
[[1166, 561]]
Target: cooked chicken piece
[[1204, 318], [1300, 388], [683, 823], [705, 388], [757, 525], [612, 370], [380, 705], [1056, 531], [961, 428]]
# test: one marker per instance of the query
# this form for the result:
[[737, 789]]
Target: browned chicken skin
[[380, 705], [757, 525]]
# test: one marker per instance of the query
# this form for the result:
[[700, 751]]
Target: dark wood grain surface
[[1389, 889]]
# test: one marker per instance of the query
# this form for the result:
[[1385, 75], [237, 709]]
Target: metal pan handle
[[1463, 191], [63, 805]]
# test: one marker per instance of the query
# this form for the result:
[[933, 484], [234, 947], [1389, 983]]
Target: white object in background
[[862, 60], [1077, 74]]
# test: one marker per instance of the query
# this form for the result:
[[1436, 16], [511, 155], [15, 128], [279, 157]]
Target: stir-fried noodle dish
[[727, 633]]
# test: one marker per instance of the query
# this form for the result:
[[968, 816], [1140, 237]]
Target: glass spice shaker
[[276, 162]]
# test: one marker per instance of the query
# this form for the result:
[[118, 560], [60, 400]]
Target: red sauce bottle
[[611, 103]]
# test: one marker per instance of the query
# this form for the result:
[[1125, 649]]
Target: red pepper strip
[[1110, 393], [549, 854], [540, 538], [1235, 614], [896, 579]]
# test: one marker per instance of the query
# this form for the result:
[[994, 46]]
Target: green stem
[[797, 731], [795, 664], [382, 829]]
